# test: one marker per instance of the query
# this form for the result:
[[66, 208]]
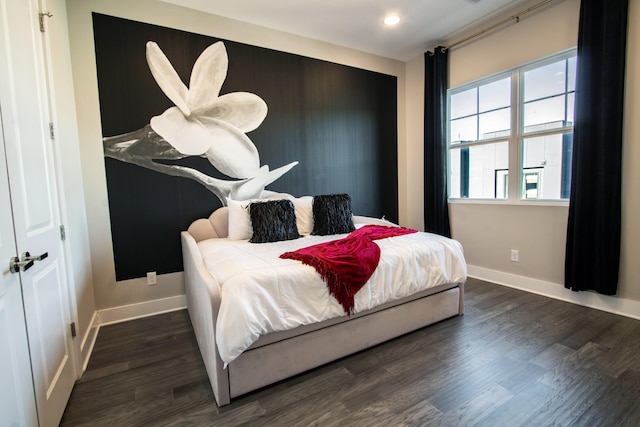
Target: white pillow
[[304, 214], [239, 220]]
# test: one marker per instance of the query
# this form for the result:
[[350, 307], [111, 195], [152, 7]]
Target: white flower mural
[[202, 123]]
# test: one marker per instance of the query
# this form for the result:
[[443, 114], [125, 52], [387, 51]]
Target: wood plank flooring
[[513, 359]]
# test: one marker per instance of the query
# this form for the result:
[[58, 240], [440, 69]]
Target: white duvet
[[262, 293]]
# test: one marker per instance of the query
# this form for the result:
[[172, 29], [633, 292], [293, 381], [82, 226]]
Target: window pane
[[545, 81], [479, 172], [495, 95], [544, 114], [571, 77], [571, 105], [464, 103], [495, 124], [546, 167], [463, 130]]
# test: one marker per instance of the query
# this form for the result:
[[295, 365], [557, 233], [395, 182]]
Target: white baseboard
[[621, 306], [88, 341], [123, 313]]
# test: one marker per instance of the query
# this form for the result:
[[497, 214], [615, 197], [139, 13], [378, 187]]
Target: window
[[511, 135]]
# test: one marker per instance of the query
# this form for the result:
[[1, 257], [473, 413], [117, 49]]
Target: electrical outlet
[[151, 278], [515, 255]]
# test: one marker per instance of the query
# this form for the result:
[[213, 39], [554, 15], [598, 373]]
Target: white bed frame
[[279, 355]]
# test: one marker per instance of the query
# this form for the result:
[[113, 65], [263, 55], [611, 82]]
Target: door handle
[[26, 256], [15, 265]]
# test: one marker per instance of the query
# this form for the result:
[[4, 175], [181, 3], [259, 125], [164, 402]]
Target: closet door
[[34, 201], [17, 403]]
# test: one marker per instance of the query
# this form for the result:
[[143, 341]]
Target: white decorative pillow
[[239, 220], [304, 214]]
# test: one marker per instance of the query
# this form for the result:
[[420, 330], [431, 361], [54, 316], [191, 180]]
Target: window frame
[[517, 135]]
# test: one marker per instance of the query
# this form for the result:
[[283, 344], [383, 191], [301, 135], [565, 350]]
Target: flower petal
[[167, 77], [244, 110], [207, 77], [188, 136], [254, 187], [232, 152]]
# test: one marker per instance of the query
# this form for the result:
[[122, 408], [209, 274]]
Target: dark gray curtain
[[436, 207], [593, 234]]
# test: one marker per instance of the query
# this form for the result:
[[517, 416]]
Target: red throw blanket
[[346, 264]]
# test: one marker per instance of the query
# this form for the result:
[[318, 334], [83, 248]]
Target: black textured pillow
[[332, 214], [273, 221]]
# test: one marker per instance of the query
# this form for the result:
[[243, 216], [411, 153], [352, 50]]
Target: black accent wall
[[339, 122]]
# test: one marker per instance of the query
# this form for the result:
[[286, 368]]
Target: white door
[[33, 191], [17, 403]]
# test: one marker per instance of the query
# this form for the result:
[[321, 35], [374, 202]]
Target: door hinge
[[52, 131], [41, 16], [73, 329], [63, 233]]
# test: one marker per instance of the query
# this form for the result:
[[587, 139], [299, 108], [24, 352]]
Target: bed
[[260, 318]]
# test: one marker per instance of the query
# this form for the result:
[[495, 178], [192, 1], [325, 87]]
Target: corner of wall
[[88, 341]]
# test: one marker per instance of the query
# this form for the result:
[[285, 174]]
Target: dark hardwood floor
[[513, 359]]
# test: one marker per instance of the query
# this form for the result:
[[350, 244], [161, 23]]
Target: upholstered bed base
[[277, 356]]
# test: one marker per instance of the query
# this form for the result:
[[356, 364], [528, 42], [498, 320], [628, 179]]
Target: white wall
[[108, 292], [489, 230], [414, 158], [67, 152], [630, 251]]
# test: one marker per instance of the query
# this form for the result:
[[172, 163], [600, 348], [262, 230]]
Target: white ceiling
[[358, 24]]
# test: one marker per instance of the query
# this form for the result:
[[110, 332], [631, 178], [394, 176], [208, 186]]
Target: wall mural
[[201, 123], [188, 120]]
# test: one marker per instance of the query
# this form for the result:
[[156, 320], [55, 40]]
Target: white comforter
[[262, 293]]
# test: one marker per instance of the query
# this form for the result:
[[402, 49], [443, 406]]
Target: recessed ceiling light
[[391, 20]]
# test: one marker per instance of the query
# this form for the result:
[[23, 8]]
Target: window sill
[[546, 203]]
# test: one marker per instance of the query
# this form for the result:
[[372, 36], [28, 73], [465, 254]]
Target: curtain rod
[[515, 17]]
